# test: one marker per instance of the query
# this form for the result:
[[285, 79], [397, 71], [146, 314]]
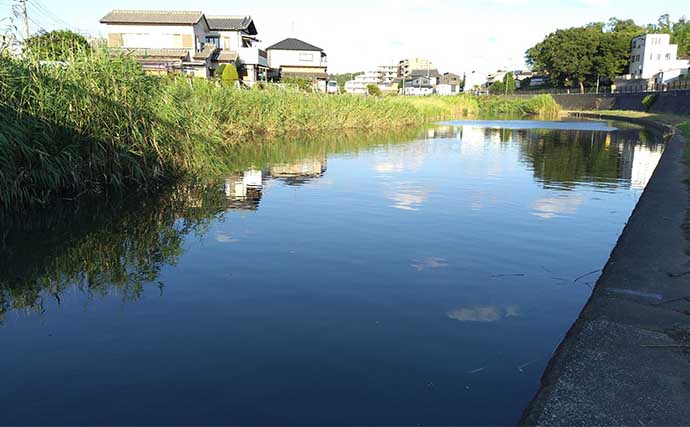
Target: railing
[[606, 90]]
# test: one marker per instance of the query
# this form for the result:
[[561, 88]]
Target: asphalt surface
[[626, 360]]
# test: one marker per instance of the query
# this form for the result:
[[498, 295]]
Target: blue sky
[[459, 36]]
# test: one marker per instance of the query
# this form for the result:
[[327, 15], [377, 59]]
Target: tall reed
[[99, 123]]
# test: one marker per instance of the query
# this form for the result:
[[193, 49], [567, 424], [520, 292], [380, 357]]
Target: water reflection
[[241, 287], [483, 314], [117, 247]]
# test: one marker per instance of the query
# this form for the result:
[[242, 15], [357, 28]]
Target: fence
[[606, 90]]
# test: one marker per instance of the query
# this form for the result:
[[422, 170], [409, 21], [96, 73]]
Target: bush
[[230, 75], [59, 45], [301, 83], [649, 101], [373, 90]]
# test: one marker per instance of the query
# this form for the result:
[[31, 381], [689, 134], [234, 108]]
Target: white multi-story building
[[388, 73], [406, 66], [358, 86], [653, 54]]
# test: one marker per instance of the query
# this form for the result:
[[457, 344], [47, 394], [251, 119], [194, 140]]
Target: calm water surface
[[422, 278]]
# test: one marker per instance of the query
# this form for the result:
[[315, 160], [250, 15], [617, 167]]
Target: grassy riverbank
[[101, 123]]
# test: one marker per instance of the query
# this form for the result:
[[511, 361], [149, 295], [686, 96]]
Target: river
[[415, 278]]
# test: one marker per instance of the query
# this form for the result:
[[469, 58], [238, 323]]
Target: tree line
[[599, 51]]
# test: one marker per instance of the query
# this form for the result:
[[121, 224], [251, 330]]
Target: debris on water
[[507, 275], [522, 367], [585, 275], [476, 371]]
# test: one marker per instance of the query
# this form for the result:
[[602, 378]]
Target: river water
[[415, 278]]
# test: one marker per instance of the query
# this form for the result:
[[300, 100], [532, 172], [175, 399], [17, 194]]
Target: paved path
[[626, 360]]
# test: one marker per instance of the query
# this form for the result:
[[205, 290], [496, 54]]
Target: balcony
[[253, 56]]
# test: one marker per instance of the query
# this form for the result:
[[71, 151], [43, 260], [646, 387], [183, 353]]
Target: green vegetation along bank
[[98, 123]]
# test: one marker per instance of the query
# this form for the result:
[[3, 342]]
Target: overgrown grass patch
[[101, 123]]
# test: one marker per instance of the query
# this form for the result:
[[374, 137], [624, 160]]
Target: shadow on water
[[119, 246]]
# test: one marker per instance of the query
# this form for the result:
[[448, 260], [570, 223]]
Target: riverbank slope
[[99, 123], [626, 359]]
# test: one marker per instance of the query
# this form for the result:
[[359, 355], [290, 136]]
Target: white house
[[296, 58], [235, 37], [449, 84], [162, 41], [186, 41], [652, 54], [475, 81]]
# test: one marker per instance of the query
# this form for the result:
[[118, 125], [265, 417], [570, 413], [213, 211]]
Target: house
[[418, 86], [295, 58], [234, 38], [652, 54], [449, 84], [475, 82], [162, 41], [431, 73], [186, 41]]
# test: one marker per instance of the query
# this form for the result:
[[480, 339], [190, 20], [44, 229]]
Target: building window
[[214, 40], [668, 56], [306, 56]]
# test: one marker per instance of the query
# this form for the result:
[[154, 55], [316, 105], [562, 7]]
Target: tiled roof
[[424, 73], [296, 74], [152, 53], [152, 17], [231, 23], [206, 52], [224, 56], [294, 44]]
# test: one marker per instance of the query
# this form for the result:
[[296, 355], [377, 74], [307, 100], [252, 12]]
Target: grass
[[101, 124]]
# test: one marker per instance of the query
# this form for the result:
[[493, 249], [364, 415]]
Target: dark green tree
[[60, 45]]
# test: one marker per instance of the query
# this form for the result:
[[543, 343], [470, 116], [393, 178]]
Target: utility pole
[[25, 16]]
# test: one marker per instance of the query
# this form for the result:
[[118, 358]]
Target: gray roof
[[424, 73], [224, 56], [152, 53], [206, 52], [152, 17], [232, 23], [294, 44]]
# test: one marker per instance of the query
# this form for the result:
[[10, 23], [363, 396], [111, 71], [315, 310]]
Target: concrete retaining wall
[[673, 102]]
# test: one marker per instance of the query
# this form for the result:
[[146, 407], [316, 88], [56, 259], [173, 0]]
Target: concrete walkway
[[626, 360]]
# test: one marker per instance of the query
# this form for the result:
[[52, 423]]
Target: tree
[[230, 75], [497, 88], [583, 55], [509, 83], [681, 37], [60, 45], [373, 90]]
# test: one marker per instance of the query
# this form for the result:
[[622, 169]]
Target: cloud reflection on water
[[483, 314]]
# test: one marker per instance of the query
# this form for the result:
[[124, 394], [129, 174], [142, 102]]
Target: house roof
[[152, 17], [152, 53], [294, 44], [206, 52], [424, 73], [297, 74], [232, 23], [224, 56]]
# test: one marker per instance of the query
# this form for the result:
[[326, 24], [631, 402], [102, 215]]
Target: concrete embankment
[[626, 360], [672, 102]]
